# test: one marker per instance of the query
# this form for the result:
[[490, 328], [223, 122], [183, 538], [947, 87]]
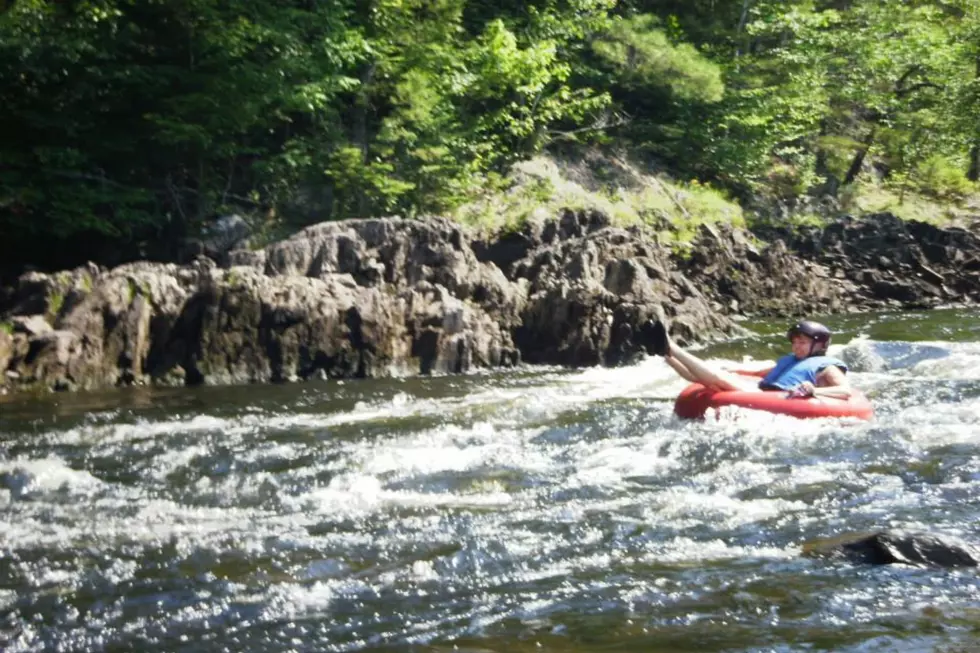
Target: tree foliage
[[129, 124]]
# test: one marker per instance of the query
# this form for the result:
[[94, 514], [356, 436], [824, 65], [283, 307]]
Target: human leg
[[693, 368], [710, 376], [680, 369]]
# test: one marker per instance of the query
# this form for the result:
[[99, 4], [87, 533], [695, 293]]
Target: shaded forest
[[128, 125]]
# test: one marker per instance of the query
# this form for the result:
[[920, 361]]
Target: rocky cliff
[[379, 297]]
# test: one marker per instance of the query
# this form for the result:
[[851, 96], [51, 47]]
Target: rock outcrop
[[888, 262], [389, 296], [589, 287], [353, 299]]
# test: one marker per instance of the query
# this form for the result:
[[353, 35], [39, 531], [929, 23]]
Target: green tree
[[130, 123], [137, 120], [442, 104]]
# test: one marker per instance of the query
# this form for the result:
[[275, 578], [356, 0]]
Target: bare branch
[[901, 90], [916, 87], [603, 122]]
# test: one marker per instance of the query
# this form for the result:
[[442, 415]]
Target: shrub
[[943, 178], [865, 198], [540, 188]]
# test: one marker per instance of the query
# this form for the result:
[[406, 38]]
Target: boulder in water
[[895, 547]]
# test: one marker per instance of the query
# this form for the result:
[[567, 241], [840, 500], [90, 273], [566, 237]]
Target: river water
[[533, 510]]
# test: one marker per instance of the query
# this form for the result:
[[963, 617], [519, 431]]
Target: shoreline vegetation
[[632, 196], [133, 127]]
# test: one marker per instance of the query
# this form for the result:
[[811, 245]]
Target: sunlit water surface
[[533, 510]]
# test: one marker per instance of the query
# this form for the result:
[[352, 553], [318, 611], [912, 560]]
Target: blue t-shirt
[[791, 371]]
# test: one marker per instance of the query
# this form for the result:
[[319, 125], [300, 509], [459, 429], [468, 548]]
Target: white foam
[[963, 364], [104, 435], [8, 598], [450, 448], [610, 464], [28, 477], [683, 550], [920, 359], [291, 601], [174, 459], [357, 495], [685, 508], [933, 425]]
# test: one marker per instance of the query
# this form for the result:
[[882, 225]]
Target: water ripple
[[538, 509]]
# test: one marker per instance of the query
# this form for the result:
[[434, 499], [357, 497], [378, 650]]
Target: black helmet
[[819, 333]]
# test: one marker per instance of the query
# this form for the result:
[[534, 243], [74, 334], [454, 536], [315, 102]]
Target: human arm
[[761, 373], [831, 382]]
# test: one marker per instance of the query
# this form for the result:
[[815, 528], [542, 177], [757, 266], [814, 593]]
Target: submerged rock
[[894, 547]]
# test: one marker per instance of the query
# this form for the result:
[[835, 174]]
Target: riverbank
[[383, 297]]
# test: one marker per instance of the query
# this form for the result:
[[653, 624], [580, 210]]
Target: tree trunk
[[830, 180], [360, 134], [858, 161], [973, 174], [741, 26], [820, 164]]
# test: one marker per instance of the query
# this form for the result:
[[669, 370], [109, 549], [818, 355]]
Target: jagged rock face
[[98, 325], [889, 262], [355, 299], [389, 296], [591, 286], [740, 276]]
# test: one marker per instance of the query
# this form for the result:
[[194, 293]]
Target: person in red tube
[[806, 372]]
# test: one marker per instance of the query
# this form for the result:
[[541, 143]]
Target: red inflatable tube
[[695, 400]]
